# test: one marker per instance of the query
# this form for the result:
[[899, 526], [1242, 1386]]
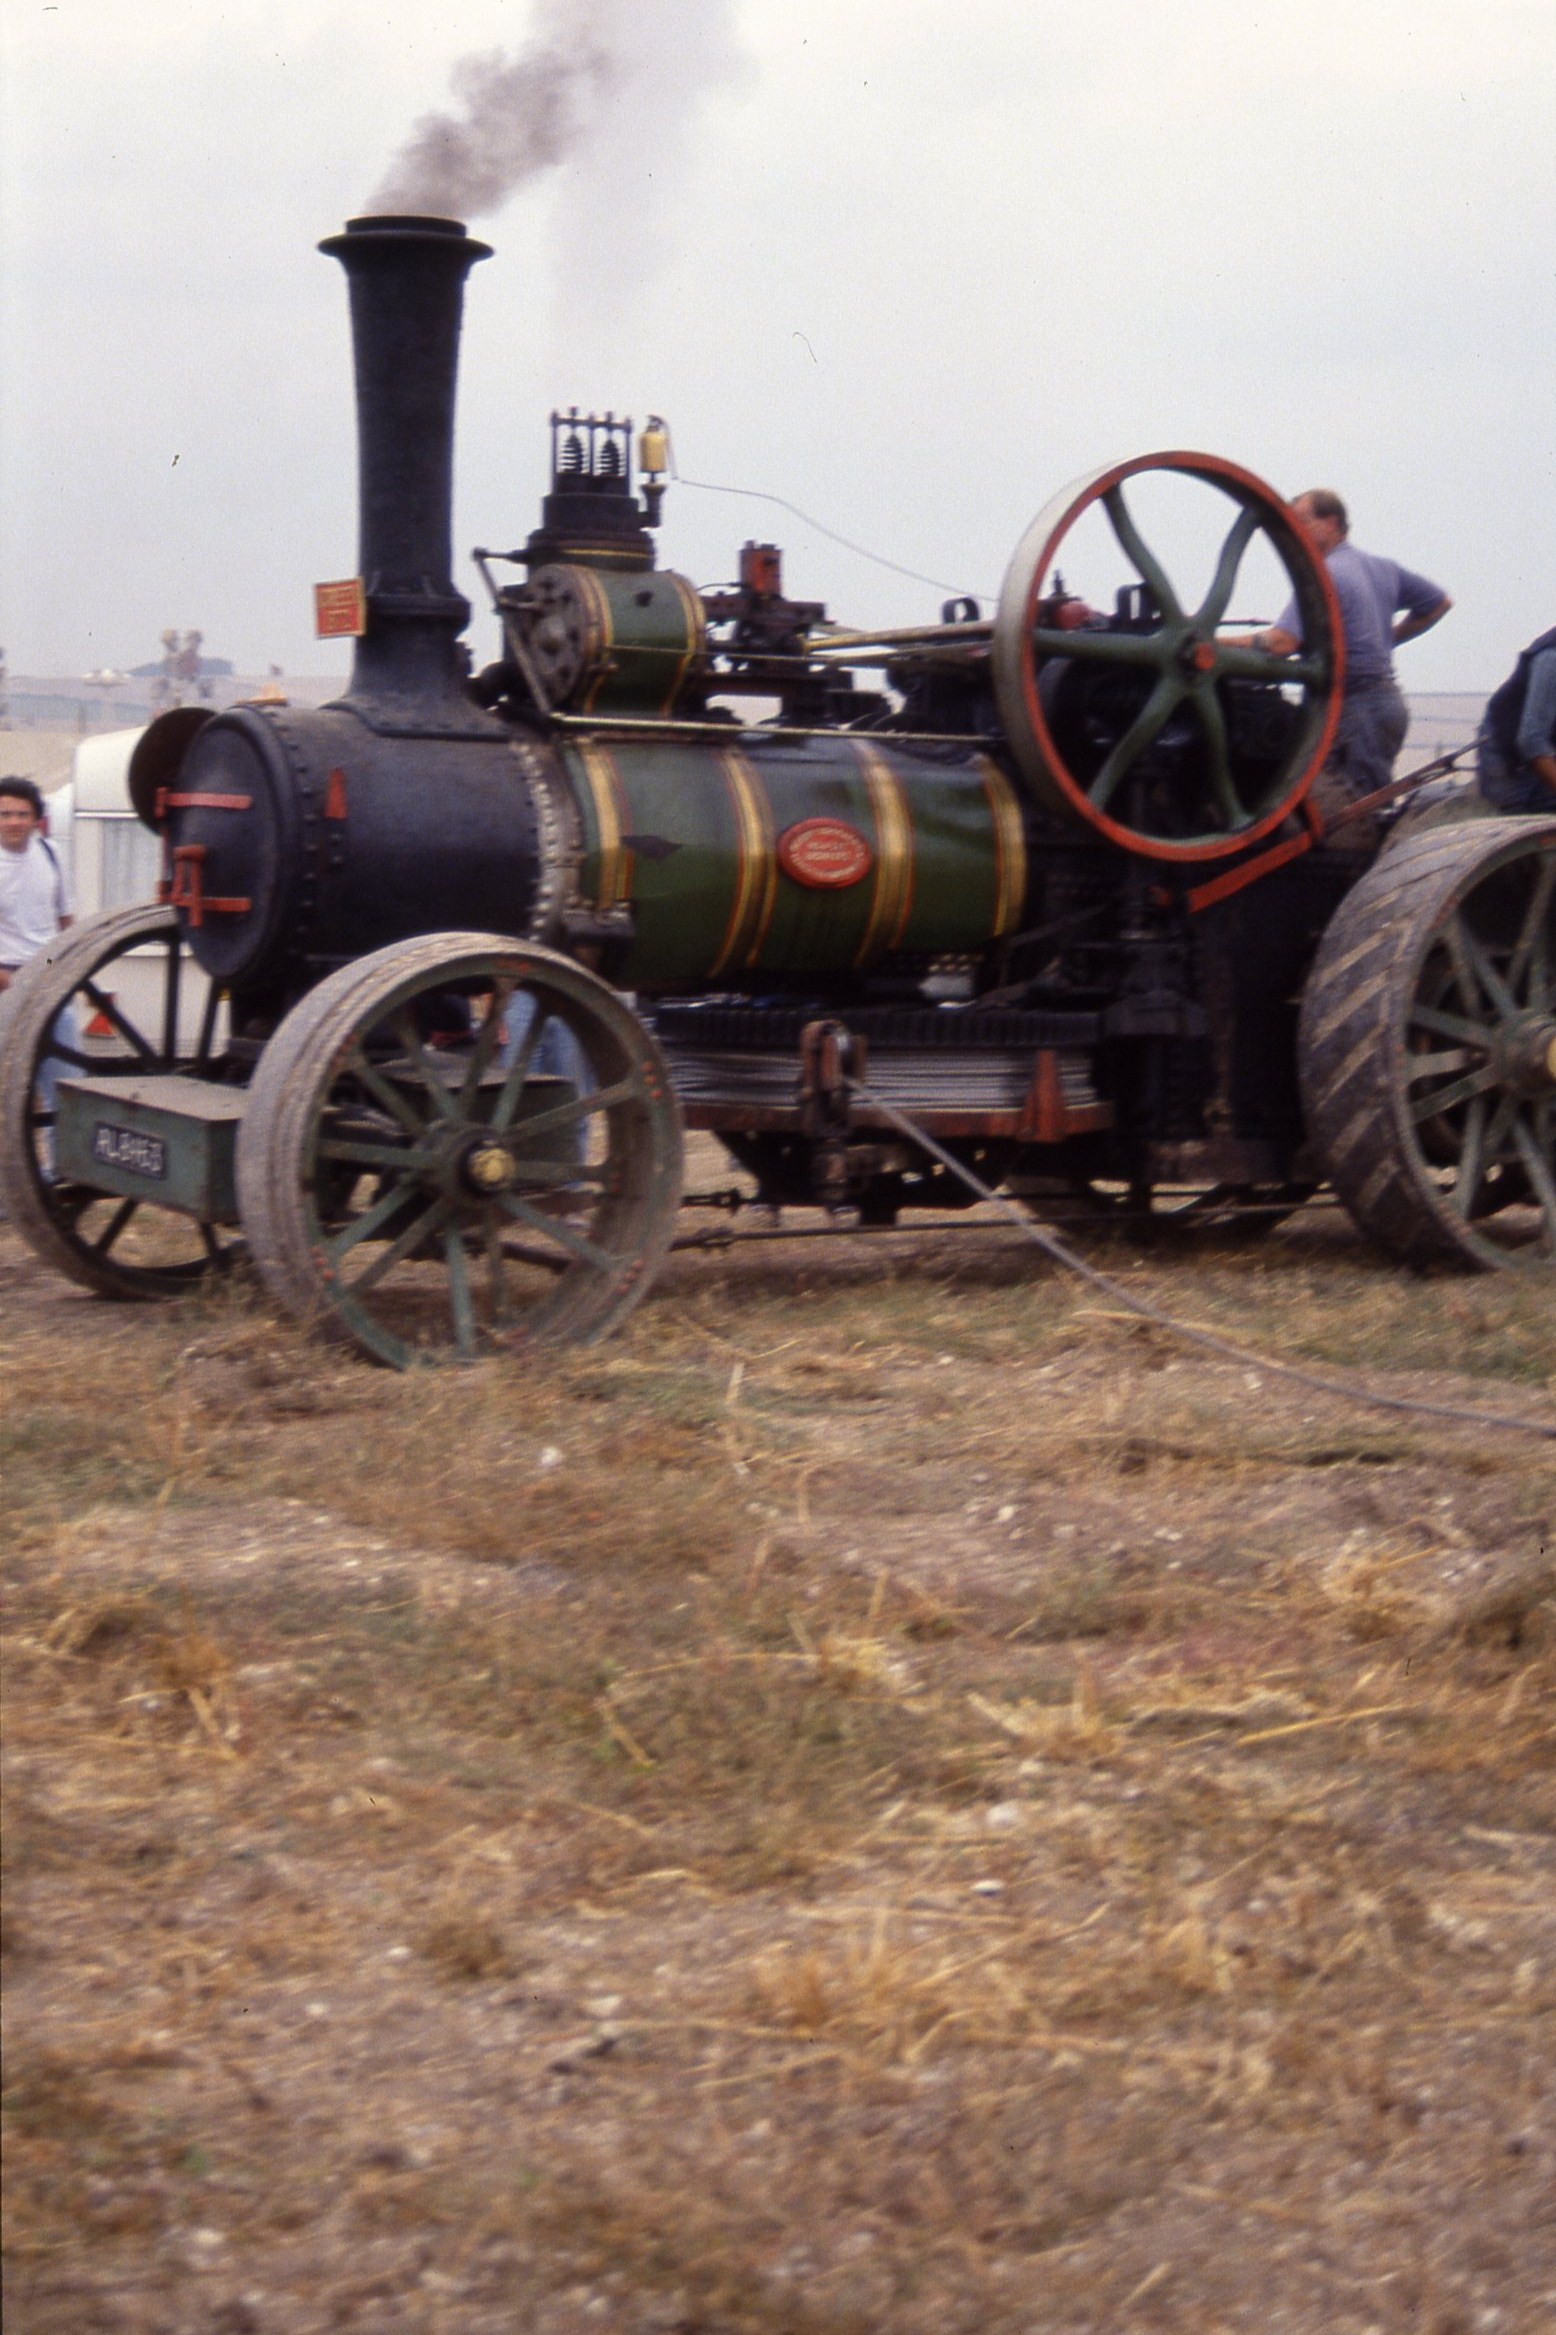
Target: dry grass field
[[888, 1798]]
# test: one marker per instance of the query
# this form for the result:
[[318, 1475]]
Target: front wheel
[[457, 1146]]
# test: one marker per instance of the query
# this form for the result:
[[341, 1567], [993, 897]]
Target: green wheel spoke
[[1147, 724], [444, 1103], [486, 1043], [558, 1174], [1537, 1164], [115, 1225], [553, 1228], [1100, 648], [1448, 1098], [363, 1227], [1472, 1156], [175, 965], [1213, 722], [1503, 1120], [382, 1092], [461, 1309], [1438, 1024], [421, 1229], [1531, 950], [207, 1037], [602, 1098], [1419, 1066], [513, 1085], [1214, 605], [496, 1270], [392, 1158], [1146, 564], [109, 1010], [1475, 968]]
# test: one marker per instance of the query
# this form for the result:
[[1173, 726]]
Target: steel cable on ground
[[1063, 1255]]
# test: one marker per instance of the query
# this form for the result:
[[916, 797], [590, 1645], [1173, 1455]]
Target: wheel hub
[[1526, 1054], [486, 1167]]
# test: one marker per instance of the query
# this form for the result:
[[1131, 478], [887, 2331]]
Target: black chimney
[[407, 278]]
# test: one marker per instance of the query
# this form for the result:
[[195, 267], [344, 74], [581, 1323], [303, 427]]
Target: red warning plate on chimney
[[826, 854], [340, 610]]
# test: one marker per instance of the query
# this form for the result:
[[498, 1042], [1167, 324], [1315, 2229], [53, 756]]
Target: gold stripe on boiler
[[616, 861], [893, 896], [756, 865], [1010, 848]]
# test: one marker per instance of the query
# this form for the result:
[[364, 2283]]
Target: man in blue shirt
[[1372, 593], [1515, 745]]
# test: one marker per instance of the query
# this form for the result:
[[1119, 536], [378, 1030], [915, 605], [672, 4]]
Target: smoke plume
[[519, 115]]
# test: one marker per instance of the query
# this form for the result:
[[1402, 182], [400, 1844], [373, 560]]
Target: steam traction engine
[[442, 969]]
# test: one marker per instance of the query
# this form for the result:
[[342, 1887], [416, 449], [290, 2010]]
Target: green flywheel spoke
[[1208, 706], [1264, 665], [1146, 563], [1147, 724], [1214, 605], [1098, 648]]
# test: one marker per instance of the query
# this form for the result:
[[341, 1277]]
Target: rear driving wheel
[[1428, 1046]]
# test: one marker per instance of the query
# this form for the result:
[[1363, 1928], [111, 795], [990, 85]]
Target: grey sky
[[913, 265]]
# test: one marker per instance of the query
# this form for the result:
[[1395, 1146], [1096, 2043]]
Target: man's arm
[[1411, 627]]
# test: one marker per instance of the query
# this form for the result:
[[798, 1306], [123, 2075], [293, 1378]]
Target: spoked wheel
[[1428, 1046], [118, 997], [1154, 732], [457, 1146]]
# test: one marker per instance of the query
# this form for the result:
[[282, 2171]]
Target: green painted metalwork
[[168, 1140], [687, 838]]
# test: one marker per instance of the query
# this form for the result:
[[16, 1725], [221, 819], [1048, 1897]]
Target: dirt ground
[[888, 1797]]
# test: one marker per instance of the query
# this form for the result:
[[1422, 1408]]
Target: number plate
[[128, 1148]]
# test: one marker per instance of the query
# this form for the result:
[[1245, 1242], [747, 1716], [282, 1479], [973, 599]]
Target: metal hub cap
[[487, 1167]]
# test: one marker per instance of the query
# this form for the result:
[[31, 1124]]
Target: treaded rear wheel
[[1427, 1047]]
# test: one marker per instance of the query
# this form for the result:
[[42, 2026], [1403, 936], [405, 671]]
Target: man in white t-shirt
[[34, 897], [34, 906]]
